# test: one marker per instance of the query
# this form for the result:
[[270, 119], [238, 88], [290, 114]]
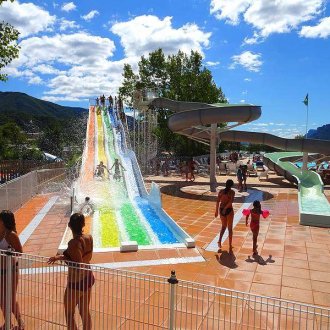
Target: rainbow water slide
[[121, 213]]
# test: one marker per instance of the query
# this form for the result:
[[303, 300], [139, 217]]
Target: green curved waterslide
[[194, 120], [313, 205]]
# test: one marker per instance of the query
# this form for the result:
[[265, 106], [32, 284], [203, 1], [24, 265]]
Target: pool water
[[309, 165]]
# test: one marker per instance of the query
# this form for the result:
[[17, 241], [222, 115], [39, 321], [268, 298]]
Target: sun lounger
[[263, 174], [231, 168], [251, 170], [223, 169]]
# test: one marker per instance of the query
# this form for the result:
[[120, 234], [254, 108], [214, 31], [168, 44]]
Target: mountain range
[[321, 133], [21, 103]]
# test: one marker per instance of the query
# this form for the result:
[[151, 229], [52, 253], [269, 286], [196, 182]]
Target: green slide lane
[[135, 230], [311, 198]]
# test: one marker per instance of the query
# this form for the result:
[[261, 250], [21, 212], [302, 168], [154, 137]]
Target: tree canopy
[[9, 48], [180, 77]]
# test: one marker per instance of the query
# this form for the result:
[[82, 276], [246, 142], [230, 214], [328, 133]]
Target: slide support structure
[[213, 147], [305, 161]]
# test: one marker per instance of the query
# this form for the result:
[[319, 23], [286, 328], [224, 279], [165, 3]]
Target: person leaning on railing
[[80, 276], [9, 240]]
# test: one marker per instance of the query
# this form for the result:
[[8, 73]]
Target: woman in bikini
[[80, 277], [9, 239], [225, 208]]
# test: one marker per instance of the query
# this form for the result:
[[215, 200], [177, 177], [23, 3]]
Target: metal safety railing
[[14, 193], [128, 300]]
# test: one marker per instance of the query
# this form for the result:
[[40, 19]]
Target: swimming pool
[[309, 165]]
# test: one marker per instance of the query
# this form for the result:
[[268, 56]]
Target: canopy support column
[[305, 161], [213, 147]]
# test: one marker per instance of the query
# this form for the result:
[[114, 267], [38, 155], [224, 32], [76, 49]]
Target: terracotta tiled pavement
[[294, 261], [45, 239]]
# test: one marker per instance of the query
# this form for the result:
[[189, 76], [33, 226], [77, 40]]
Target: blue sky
[[264, 52]]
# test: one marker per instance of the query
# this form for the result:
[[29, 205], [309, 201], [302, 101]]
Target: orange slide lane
[[88, 165]]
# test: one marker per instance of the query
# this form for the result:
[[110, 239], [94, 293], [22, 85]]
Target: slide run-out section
[[313, 205]]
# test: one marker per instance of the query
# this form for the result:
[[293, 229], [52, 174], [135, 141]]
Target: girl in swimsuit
[[225, 201], [9, 239], [255, 223], [80, 277]]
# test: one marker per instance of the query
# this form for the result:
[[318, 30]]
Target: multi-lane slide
[[193, 120], [125, 215]]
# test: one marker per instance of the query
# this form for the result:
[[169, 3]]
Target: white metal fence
[[128, 300], [14, 193]]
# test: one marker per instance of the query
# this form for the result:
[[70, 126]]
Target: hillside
[[14, 103], [321, 133]]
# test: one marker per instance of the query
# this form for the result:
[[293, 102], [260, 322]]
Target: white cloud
[[66, 25], [86, 59], [88, 17], [68, 6], [265, 16], [229, 10], [210, 63], [248, 60], [70, 49], [247, 79], [79, 65], [35, 80], [45, 69], [28, 18], [322, 30], [272, 128], [146, 33], [242, 101]]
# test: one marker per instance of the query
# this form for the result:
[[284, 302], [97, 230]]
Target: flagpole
[[305, 154], [306, 120]]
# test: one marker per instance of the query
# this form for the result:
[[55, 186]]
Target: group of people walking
[[224, 208]]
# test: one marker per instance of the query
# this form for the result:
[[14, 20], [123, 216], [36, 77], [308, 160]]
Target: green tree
[[9, 48], [128, 87], [181, 77], [13, 141]]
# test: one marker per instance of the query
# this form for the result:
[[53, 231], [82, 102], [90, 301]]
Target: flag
[[306, 100]]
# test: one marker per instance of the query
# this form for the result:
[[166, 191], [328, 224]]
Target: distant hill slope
[[321, 133], [14, 103]]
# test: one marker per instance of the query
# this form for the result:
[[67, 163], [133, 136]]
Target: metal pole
[[134, 123], [9, 283], [213, 145], [305, 154], [173, 281], [145, 140]]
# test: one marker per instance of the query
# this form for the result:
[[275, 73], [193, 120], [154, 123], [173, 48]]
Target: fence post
[[173, 282], [7, 198], [9, 283]]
